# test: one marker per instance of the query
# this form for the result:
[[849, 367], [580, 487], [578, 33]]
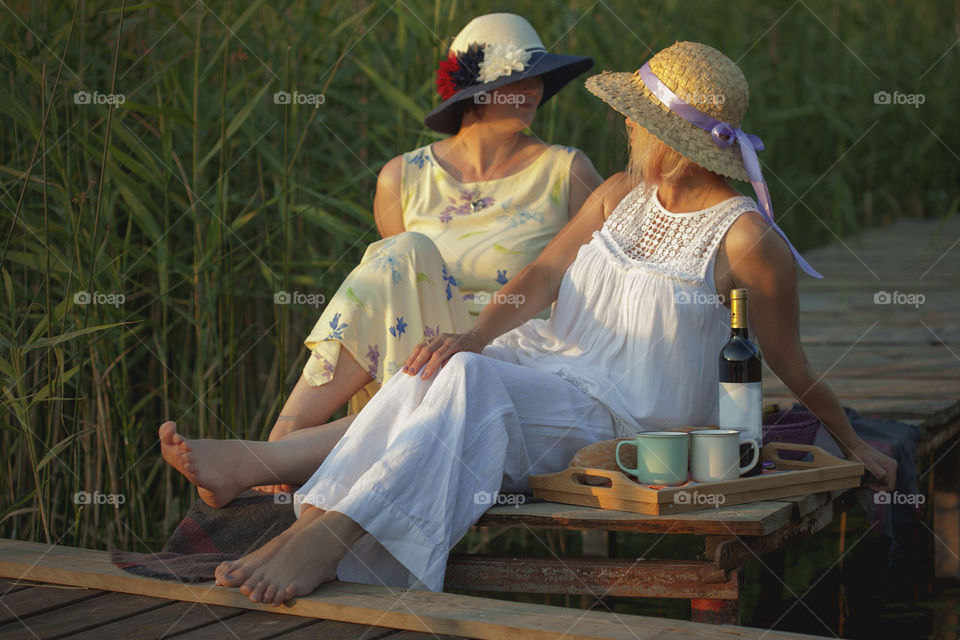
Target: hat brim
[[556, 71], [627, 93]]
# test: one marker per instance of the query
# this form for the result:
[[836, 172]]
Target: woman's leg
[[400, 293], [221, 469], [443, 451], [311, 406]]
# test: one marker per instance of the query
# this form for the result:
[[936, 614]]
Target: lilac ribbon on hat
[[724, 135]]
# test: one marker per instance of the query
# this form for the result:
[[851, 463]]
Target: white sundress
[[632, 345]]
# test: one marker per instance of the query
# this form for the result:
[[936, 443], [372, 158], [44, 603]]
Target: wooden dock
[[883, 350]]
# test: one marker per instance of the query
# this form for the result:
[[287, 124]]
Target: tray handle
[[613, 476], [771, 452]]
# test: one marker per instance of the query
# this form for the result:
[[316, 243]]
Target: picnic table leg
[[718, 611]]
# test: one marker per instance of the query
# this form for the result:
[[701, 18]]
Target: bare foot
[[208, 464], [308, 559], [234, 573]]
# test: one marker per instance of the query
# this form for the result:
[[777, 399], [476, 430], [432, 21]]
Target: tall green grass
[[199, 197]]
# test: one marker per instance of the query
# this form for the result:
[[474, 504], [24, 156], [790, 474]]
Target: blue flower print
[[419, 159], [373, 355], [399, 328], [429, 332], [450, 280], [391, 261], [521, 217], [337, 328], [502, 276]]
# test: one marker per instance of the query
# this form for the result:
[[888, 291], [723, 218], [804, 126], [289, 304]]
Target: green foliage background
[[199, 198]]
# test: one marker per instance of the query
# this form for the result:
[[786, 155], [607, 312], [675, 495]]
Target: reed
[[184, 210]]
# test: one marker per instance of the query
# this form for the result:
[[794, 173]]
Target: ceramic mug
[[715, 455], [661, 457]]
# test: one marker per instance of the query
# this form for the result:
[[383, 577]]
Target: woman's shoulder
[[613, 190]]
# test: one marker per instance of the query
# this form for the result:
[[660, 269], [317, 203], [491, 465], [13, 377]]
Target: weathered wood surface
[[359, 604], [753, 519], [897, 359]]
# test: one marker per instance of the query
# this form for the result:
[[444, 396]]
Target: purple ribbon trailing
[[724, 135]]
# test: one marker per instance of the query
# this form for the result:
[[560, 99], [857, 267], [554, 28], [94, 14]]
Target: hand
[[435, 352], [879, 464]]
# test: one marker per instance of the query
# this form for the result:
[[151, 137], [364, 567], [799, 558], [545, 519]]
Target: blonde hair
[[651, 160]]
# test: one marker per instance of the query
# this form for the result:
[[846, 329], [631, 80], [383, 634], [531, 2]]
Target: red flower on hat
[[446, 86], [459, 70]]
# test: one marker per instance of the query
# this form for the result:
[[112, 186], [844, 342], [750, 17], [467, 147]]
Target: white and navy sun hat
[[491, 51]]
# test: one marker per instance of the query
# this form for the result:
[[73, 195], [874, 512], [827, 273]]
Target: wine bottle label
[[741, 406]]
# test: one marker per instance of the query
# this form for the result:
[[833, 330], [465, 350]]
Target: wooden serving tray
[[623, 493]]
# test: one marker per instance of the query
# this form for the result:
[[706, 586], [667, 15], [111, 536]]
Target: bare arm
[[760, 261], [584, 180], [531, 290], [387, 209]]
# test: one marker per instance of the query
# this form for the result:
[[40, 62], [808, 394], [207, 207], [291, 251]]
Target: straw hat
[[491, 51], [702, 77]]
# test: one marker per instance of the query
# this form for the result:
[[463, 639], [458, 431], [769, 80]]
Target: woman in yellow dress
[[459, 217]]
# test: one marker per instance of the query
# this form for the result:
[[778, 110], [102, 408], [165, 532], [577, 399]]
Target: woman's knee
[[414, 243]]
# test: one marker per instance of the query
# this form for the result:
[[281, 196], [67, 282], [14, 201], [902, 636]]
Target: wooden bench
[[890, 360]]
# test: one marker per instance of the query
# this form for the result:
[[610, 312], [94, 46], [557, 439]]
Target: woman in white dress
[[515, 395]]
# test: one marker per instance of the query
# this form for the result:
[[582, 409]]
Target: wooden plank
[[253, 625], [163, 622], [440, 613], [80, 616], [9, 586], [636, 578], [757, 518], [35, 600], [335, 630]]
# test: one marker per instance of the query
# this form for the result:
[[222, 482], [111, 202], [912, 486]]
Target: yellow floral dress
[[463, 241]]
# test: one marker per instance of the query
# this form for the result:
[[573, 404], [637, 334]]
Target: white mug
[[715, 455]]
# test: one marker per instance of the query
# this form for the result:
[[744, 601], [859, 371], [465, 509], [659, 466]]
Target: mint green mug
[[662, 457]]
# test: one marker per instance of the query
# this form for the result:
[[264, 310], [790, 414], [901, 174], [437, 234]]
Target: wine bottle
[[741, 397]]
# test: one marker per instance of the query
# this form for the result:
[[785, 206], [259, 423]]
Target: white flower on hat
[[502, 60]]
